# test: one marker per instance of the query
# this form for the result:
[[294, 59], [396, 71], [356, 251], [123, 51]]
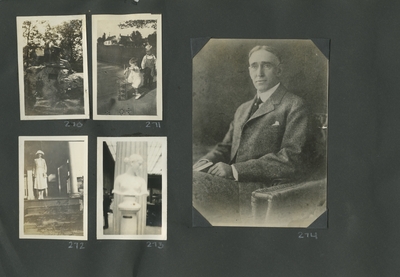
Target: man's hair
[[267, 48]]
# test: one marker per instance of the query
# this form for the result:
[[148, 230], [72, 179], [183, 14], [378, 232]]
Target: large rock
[[53, 89], [71, 84]]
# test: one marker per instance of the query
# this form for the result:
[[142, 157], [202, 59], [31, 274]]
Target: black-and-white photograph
[[53, 187], [127, 67], [259, 132], [132, 188], [52, 67]]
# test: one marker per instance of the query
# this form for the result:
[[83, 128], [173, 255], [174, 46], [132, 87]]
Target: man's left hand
[[222, 170]]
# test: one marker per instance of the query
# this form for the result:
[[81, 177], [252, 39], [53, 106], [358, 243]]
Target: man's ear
[[278, 70]]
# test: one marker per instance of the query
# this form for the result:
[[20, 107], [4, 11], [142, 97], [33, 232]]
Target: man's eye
[[266, 66], [263, 66]]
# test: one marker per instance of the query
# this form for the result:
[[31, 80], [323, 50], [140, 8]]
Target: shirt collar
[[267, 94]]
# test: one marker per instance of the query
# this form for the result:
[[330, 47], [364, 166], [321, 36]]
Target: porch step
[[52, 206], [53, 217]]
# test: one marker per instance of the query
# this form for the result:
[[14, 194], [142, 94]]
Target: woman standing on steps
[[40, 174]]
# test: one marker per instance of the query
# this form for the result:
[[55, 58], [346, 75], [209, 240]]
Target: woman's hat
[[148, 47], [39, 152]]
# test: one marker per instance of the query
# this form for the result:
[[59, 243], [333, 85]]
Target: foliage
[[137, 38], [139, 24], [31, 33], [67, 35], [33, 40], [152, 39], [101, 39], [71, 42]]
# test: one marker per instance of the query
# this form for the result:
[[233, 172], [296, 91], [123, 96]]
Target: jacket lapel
[[242, 119], [269, 105]]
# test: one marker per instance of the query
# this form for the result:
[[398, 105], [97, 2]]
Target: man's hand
[[222, 170]]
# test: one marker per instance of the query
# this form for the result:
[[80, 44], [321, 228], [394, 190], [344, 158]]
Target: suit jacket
[[269, 146]]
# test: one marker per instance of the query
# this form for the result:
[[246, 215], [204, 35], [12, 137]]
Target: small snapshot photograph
[[53, 181], [260, 123], [52, 67], [127, 67], [132, 188]]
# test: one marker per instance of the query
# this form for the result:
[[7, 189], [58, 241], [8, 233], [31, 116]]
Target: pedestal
[[129, 220]]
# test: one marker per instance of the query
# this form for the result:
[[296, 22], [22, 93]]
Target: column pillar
[[124, 149], [29, 179], [77, 169]]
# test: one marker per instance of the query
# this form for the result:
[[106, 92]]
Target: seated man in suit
[[266, 144]]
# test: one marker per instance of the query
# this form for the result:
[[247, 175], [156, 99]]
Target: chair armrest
[[289, 205]]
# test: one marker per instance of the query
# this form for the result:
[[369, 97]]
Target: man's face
[[264, 70]]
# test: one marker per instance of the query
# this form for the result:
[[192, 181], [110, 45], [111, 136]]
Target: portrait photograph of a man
[[259, 132]]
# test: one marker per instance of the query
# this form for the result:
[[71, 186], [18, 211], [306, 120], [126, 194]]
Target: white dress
[[40, 174], [135, 76]]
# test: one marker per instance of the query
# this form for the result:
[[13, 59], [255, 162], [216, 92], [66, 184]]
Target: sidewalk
[[107, 95]]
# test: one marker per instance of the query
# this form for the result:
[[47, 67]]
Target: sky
[[110, 27], [52, 20], [41, 23]]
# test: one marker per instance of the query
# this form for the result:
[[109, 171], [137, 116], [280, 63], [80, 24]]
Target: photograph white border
[[21, 44], [21, 141], [159, 102], [99, 221]]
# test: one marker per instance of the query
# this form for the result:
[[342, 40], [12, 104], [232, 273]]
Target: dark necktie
[[255, 106]]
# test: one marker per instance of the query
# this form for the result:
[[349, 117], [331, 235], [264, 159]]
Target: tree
[[152, 39], [137, 38], [48, 33], [101, 39], [139, 24], [33, 38], [71, 39]]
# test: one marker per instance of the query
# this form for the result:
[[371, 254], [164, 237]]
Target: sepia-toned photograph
[[52, 67], [127, 67], [132, 188], [260, 113], [53, 184]]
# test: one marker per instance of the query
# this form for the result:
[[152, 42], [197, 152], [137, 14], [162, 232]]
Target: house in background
[[111, 40], [125, 41]]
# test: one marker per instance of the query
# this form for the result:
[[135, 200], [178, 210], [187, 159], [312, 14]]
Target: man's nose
[[260, 71]]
